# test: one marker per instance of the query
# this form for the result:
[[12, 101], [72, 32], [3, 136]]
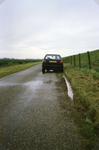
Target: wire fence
[[80, 60]]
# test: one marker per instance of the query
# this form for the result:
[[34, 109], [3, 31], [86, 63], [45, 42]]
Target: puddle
[[50, 81], [31, 84], [34, 85], [70, 92], [7, 84]]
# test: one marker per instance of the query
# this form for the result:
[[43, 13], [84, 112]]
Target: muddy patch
[[49, 81]]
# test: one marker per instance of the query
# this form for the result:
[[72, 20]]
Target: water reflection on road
[[70, 92]]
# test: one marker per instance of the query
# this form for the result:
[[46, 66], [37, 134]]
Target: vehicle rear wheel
[[43, 70], [62, 70]]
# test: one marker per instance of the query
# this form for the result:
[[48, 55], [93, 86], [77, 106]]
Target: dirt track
[[34, 113]]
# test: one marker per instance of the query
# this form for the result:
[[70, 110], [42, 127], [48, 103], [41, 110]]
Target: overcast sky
[[32, 28]]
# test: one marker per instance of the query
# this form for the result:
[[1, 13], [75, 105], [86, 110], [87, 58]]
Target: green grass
[[85, 85], [11, 62], [4, 71], [94, 57]]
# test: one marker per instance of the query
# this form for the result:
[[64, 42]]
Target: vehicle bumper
[[52, 67]]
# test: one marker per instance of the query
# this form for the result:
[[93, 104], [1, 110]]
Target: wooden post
[[71, 60], [89, 59], [74, 61], [67, 59], [79, 61]]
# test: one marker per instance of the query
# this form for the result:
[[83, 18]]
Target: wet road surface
[[33, 115]]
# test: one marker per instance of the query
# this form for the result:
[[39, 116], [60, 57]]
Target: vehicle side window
[[46, 57], [58, 57]]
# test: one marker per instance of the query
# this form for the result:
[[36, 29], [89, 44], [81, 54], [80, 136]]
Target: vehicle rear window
[[52, 57]]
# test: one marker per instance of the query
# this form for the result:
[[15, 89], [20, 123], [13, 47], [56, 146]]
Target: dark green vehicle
[[52, 62]]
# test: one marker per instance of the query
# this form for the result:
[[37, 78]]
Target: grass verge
[[94, 58], [4, 71], [85, 85]]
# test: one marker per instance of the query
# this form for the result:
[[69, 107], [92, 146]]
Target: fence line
[[73, 61]]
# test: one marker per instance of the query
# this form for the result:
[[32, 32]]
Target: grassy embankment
[[8, 67], [85, 85]]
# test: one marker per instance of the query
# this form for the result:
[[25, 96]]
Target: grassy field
[[85, 85], [4, 71], [94, 57], [12, 62]]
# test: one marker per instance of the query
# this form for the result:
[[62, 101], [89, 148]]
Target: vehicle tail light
[[44, 61], [61, 62]]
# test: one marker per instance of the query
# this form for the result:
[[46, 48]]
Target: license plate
[[52, 61]]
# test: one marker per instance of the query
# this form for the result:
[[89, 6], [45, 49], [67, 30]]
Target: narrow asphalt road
[[33, 115]]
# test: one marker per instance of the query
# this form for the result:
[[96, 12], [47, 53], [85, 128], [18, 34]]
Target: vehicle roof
[[53, 54]]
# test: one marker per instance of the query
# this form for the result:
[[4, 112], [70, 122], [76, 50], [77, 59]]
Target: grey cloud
[[41, 26], [1, 1], [97, 1]]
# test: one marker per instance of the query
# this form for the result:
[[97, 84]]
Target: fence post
[[71, 60], [79, 61], [89, 60], [74, 61], [66, 60]]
